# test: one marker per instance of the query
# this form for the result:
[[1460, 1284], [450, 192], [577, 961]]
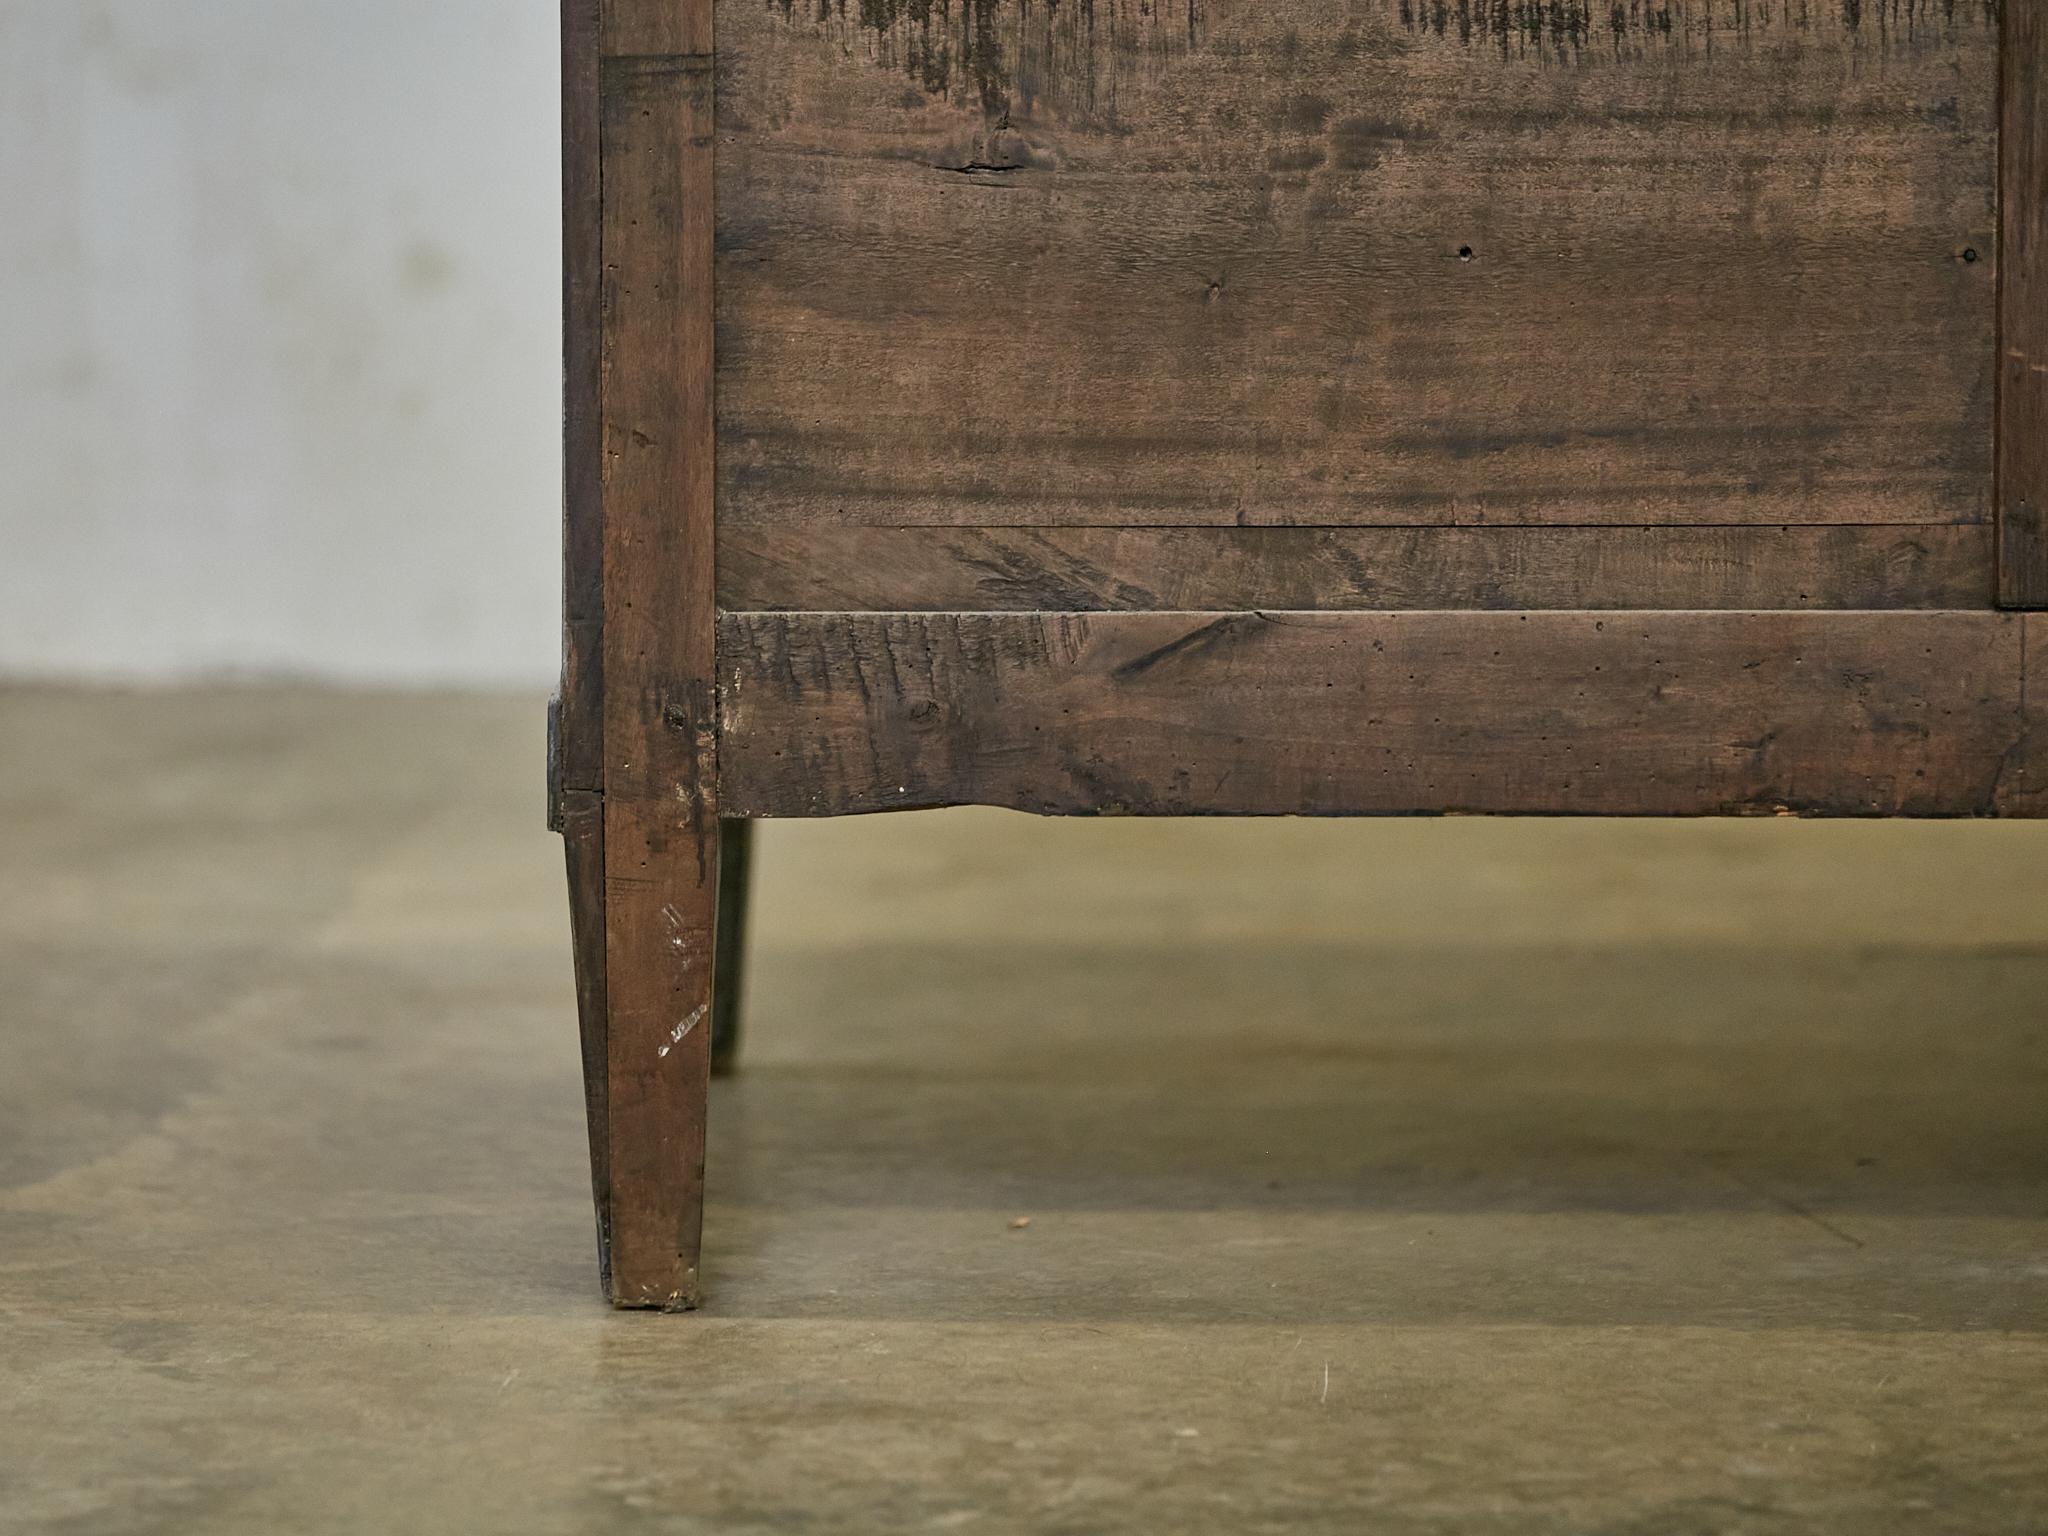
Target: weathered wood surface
[[1903, 713], [2024, 791], [577, 756], [661, 815], [1089, 569], [1320, 263], [580, 814], [2023, 310], [657, 29]]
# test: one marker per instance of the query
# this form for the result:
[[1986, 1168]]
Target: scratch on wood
[[677, 1035], [1194, 641]]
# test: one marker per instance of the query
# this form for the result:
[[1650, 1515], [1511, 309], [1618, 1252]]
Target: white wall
[[279, 373]]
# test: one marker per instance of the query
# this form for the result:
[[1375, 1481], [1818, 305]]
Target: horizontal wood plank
[[1854, 714], [1095, 569], [1322, 263]]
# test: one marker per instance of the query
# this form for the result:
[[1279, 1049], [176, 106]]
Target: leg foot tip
[[666, 1297]]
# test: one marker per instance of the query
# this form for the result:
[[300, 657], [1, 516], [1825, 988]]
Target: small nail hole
[[1465, 253], [1970, 253]]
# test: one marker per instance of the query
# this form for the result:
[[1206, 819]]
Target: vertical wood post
[[636, 766], [660, 770], [576, 717], [2023, 307]]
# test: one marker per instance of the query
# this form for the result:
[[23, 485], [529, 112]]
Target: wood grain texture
[[657, 29], [579, 759], [1321, 263], [581, 814], [2024, 791], [2023, 310], [1093, 569], [1908, 714], [661, 819]]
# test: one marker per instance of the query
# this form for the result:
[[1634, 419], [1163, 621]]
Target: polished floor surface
[[1085, 1176]]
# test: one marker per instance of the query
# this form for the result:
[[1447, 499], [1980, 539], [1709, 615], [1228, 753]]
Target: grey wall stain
[[425, 268]]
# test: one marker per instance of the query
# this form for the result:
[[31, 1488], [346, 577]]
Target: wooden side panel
[[1329, 263], [2023, 311], [1913, 714], [1092, 569], [661, 822]]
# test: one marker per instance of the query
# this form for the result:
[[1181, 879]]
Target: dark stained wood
[[581, 822], [1008, 266], [657, 29], [579, 760], [735, 899], [2025, 789], [576, 714], [2023, 311], [1269, 407], [661, 817], [1855, 714], [966, 569]]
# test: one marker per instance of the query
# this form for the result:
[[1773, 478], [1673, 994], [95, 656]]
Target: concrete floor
[[1402, 1176]]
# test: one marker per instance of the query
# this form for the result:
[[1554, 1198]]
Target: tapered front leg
[[579, 816], [660, 904], [649, 986], [654, 488]]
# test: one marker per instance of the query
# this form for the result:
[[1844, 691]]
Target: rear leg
[[735, 873]]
